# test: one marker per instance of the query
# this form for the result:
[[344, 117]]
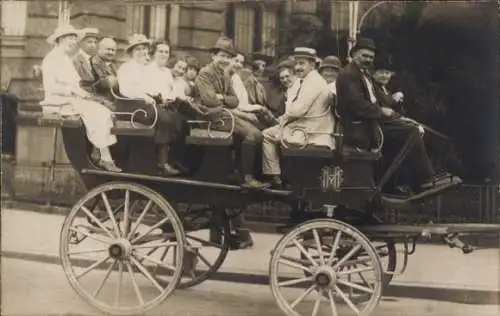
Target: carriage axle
[[120, 250]]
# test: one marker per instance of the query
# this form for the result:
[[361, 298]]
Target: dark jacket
[[386, 99], [102, 71], [210, 82], [359, 116]]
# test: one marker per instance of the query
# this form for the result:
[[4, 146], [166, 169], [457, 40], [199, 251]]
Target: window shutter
[[244, 19], [269, 32], [14, 14]]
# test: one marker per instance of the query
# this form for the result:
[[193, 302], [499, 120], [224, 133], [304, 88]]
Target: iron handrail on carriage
[[132, 224]]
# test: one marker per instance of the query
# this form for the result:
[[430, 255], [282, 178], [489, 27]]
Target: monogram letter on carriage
[[331, 178]]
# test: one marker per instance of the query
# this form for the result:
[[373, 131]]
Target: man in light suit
[[309, 110], [81, 60]]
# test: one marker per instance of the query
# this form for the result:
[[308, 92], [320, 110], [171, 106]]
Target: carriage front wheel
[[343, 273], [104, 246]]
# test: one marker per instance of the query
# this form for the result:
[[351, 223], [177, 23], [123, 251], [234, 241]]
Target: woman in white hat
[[139, 78], [61, 83]]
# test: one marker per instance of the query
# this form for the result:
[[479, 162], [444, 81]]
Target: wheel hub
[[120, 250], [325, 277]]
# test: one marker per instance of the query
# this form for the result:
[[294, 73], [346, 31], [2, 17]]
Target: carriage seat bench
[[39, 118], [202, 137], [348, 153]]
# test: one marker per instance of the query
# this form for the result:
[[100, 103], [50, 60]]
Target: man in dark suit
[[104, 70], [360, 111], [88, 49], [216, 90]]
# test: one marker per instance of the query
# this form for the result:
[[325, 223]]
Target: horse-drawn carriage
[[141, 235]]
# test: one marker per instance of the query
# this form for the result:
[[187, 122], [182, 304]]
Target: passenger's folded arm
[[230, 100], [356, 101], [206, 89], [302, 104], [51, 84]]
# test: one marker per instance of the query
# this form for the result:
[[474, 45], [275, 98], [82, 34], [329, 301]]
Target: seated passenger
[[360, 108], [87, 50], [215, 89], [329, 69], [61, 83], [104, 69], [255, 113], [309, 110], [138, 78], [185, 71]]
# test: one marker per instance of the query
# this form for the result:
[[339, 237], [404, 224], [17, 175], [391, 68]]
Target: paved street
[[31, 288], [38, 285]]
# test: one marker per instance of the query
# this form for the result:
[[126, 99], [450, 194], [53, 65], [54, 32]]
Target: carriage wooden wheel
[[344, 273], [104, 247], [204, 256]]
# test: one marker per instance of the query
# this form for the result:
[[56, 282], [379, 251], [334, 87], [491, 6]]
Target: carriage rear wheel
[[104, 243], [343, 271], [208, 243]]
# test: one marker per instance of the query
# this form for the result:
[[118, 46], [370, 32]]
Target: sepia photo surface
[[246, 157]]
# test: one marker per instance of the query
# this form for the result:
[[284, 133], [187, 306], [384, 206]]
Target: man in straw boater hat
[[309, 110], [215, 88], [88, 49], [61, 83], [361, 111]]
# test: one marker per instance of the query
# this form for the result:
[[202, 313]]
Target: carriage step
[[425, 195]]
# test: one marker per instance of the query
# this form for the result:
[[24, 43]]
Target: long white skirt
[[97, 120]]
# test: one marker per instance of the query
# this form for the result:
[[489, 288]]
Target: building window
[[156, 21], [253, 28], [14, 14]]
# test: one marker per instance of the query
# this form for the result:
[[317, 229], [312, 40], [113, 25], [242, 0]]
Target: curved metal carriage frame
[[343, 246]]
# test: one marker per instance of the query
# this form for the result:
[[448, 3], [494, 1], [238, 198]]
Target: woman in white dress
[[61, 83], [139, 78]]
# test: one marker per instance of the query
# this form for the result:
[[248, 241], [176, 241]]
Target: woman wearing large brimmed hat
[[61, 83], [64, 31], [130, 75]]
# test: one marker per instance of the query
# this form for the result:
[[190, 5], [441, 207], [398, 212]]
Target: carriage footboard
[[450, 234]]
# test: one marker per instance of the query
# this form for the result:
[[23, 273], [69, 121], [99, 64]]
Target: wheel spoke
[[97, 221], [347, 300], [294, 265], [295, 281], [304, 252], [163, 221], [355, 286], [126, 209], [347, 256], [119, 285], [334, 247], [303, 295], [205, 261], [101, 238], [332, 303], [203, 242], [316, 306], [92, 267], [80, 252], [318, 246], [101, 285], [141, 217], [134, 283], [110, 214], [143, 257], [358, 270], [156, 246], [146, 273]]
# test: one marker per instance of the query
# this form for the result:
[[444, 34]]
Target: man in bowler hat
[[360, 110]]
